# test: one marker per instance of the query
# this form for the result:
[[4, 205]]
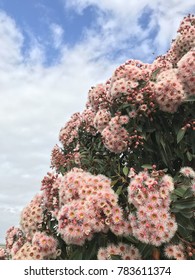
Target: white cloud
[[57, 34], [119, 21], [35, 102], [11, 42]]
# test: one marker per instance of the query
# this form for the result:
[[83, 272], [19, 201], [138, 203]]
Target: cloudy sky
[[51, 53]]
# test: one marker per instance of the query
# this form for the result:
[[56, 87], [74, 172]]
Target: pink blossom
[[70, 131], [2, 254], [186, 69], [124, 251], [187, 172], [32, 215], [169, 92], [102, 119], [175, 251], [98, 97]]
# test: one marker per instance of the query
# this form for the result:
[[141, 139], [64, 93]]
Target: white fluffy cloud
[[57, 34], [36, 100], [119, 22]]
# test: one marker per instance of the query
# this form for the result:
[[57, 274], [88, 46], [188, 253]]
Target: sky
[[51, 53]]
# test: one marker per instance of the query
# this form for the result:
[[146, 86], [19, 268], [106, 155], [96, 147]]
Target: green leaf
[[125, 170], [189, 156], [77, 254], [190, 99], [188, 193], [186, 223], [148, 166], [119, 190], [174, 197], [124, 106], [115, 257], [183, 231], [91, 251], [154, 74], [145, 250], [131, 239], [184, 203], [180, 134], [114, 182], [157, 136], [179, 191], [162, 143], [187, 213]]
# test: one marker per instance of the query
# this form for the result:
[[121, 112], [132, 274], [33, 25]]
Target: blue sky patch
[[145, 17], [35, 20]]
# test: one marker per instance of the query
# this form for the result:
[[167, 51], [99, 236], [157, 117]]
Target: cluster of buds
[[50, 188], [136, 139], [189, 125], [59, 159]]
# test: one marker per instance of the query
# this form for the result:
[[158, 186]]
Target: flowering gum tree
[[123, 179]]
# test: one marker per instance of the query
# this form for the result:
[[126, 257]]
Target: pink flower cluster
[[32, 216], [121, 88], [124, 251], [88, 116], [184, 41], [173, 71], [3, 254], [28, 252], [188, 172], [47, 244], [186, 70], [133, 70], [98, 98], [115, 136], [175, 251], [43, 247], [125, 83], [102, 119], [164, 85], [70, 131], [88, 205], [152, 223], [160, 64], [15, 239], [169, 92], [28, 243]]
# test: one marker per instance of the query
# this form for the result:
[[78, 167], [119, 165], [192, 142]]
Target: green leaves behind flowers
[[181, 134]]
